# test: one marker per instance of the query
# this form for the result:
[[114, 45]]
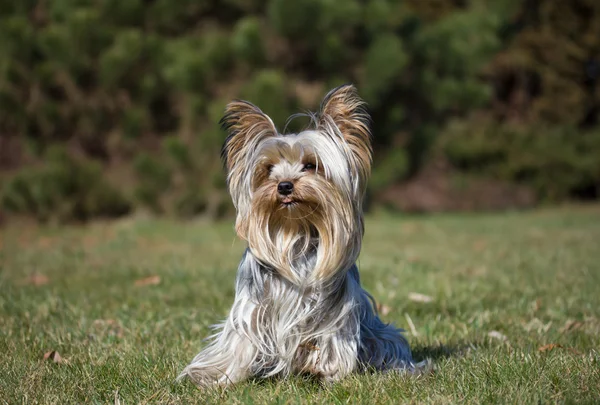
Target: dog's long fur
[[299, 306]]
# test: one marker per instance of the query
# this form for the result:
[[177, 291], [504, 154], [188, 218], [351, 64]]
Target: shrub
[[384, 63], [267, 89], [63, 189], [247, 41], [293, 19], [154, 179], [450, 55], [332, 52], [388, 169], [117, 79], [178, 152], [557, 162], [377, 16], [117, 61]]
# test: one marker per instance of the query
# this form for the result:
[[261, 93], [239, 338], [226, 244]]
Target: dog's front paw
[[205, 377], [333, 370], [330, 379]]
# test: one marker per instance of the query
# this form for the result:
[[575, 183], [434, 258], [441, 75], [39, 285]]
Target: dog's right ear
[[246, 126]]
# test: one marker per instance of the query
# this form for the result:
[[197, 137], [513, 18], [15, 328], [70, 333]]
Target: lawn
[[508, 311]]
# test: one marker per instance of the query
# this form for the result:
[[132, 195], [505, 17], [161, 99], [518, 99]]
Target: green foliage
[[389, 169], [123, 54], [177, 151], [63, 189], [293, 19], [191, 64], [336, 16], [154, 178], [173, 182], [113, 79], [384, 63], [247, 41], [451, 54], [134, 122], [332, 52], [247, 6], [190, 203], [267, 90], [323, 27], [554, 60], [377, 16], [557, 162]]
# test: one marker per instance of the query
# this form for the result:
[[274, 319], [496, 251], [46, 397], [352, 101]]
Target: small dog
[[299, 306]]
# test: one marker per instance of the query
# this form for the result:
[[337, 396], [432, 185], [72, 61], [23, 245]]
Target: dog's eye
[[270, 168], [308, 166]]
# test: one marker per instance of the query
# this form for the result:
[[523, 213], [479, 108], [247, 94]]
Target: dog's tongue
[[287, 200]]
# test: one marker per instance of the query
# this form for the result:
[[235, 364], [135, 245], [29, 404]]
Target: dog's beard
[[307, 237]]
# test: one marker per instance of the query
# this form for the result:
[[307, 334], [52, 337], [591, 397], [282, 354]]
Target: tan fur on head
[[247, 126], [319, 234], [321, 224]]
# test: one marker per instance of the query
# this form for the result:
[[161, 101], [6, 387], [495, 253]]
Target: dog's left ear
[[345, 111], [246, 125]]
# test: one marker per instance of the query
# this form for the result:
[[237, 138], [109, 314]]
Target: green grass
[[532, 279]]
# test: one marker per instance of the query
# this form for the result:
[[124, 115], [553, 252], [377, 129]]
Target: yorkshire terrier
[[299, 306]]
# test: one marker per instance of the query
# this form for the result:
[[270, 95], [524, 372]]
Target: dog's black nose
[[285, 187]]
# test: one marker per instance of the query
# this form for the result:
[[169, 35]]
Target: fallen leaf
[[476, 271], [89, 241], [479, 245], [107, 327], [152, 280], [537, 305], [418, 297], [54, 357], [45, 242], [37, 279], [413, 259], [552, 346], [410, 228], [571, 325], [548, 347], [494, 334]]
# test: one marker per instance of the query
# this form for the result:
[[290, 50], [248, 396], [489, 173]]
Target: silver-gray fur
[[299, 306], [277, 328]]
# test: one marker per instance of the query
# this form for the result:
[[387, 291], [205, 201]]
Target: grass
[[514, 316]]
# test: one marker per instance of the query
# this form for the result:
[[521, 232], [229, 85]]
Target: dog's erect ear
[[246, 125], [346, 111]]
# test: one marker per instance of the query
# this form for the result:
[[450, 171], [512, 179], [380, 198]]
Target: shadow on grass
[[443, 351], [307, 384]]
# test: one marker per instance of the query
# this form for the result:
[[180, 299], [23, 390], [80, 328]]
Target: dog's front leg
[[226, 360], [333, 357], [230, 355], [333, 353]]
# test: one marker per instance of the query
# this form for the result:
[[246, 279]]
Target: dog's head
[[300, 193]]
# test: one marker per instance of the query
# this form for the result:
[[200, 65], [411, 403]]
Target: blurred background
[[111, 107]]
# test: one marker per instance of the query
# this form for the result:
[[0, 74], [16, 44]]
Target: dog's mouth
[[288, 201]]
